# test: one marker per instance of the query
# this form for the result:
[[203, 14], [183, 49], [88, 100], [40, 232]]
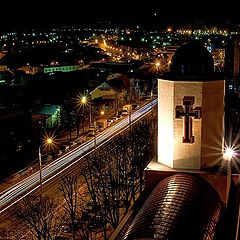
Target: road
[[57, 168]]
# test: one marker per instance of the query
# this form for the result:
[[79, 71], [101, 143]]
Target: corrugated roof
[[182, 206]]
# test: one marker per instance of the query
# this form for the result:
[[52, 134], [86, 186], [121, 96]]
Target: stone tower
[[191, 111]]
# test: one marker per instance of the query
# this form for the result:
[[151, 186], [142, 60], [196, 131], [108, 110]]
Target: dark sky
[[44, 13]]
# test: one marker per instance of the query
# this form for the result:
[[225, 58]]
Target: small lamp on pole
[[48, 141], [83, 103]]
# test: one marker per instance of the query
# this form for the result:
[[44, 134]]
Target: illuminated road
[[12, 195]]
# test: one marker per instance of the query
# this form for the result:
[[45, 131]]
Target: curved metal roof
[[181, 206], [192, 59]]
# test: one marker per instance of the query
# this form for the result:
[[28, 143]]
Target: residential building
[[46, 116], [30, 69], [67, 68]]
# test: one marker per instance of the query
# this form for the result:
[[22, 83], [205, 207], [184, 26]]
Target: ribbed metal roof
[[182, 207]]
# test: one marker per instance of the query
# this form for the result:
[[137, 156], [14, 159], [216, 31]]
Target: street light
[[83, 103], [228, 154], [84, 100], [130, 118], [91, 112], [95, 137], [48, 141], [151, 99], [157, 64]]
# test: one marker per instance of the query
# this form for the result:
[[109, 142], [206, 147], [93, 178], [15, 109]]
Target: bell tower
[[191, 119], [191, 111]]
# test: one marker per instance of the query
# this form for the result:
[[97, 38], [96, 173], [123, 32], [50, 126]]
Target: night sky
[[148, 13]]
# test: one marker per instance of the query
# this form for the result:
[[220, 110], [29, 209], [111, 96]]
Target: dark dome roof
[[181, 206], [192, 59]]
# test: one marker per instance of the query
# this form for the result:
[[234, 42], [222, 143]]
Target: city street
[[58, 167]]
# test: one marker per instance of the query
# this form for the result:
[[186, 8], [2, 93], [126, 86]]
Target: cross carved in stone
[[188, 113]]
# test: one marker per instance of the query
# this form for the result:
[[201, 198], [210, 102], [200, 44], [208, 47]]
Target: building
[[169, 51], [3, 54], [232, 59], [104, 91], [188, 184], [46, 116], [30, 69], [3, 67], [68, 68], [232, 67], [191, 100], [113, 92], [116, 67]]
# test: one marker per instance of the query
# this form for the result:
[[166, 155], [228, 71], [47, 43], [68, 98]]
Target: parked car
[[100, 129], [114, 119], [72, 143], [67, 228], [109, 122], [64, 148], [90, 134], [124, 112]]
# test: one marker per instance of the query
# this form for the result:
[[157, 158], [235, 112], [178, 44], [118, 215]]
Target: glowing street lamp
[[83, 103], [157, 64], [47, 141], [228, 154], [84, 100]]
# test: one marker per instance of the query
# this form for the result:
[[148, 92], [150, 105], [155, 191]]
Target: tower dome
[[192, 59]]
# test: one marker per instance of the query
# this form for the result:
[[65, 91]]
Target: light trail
[[28, 185]]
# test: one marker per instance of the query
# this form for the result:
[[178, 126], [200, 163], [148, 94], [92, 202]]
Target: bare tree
[[69, 190], [142, 148], [114, 175], [78, 120], [4, 234], [41, 216], [68, 117], [15, 232]]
